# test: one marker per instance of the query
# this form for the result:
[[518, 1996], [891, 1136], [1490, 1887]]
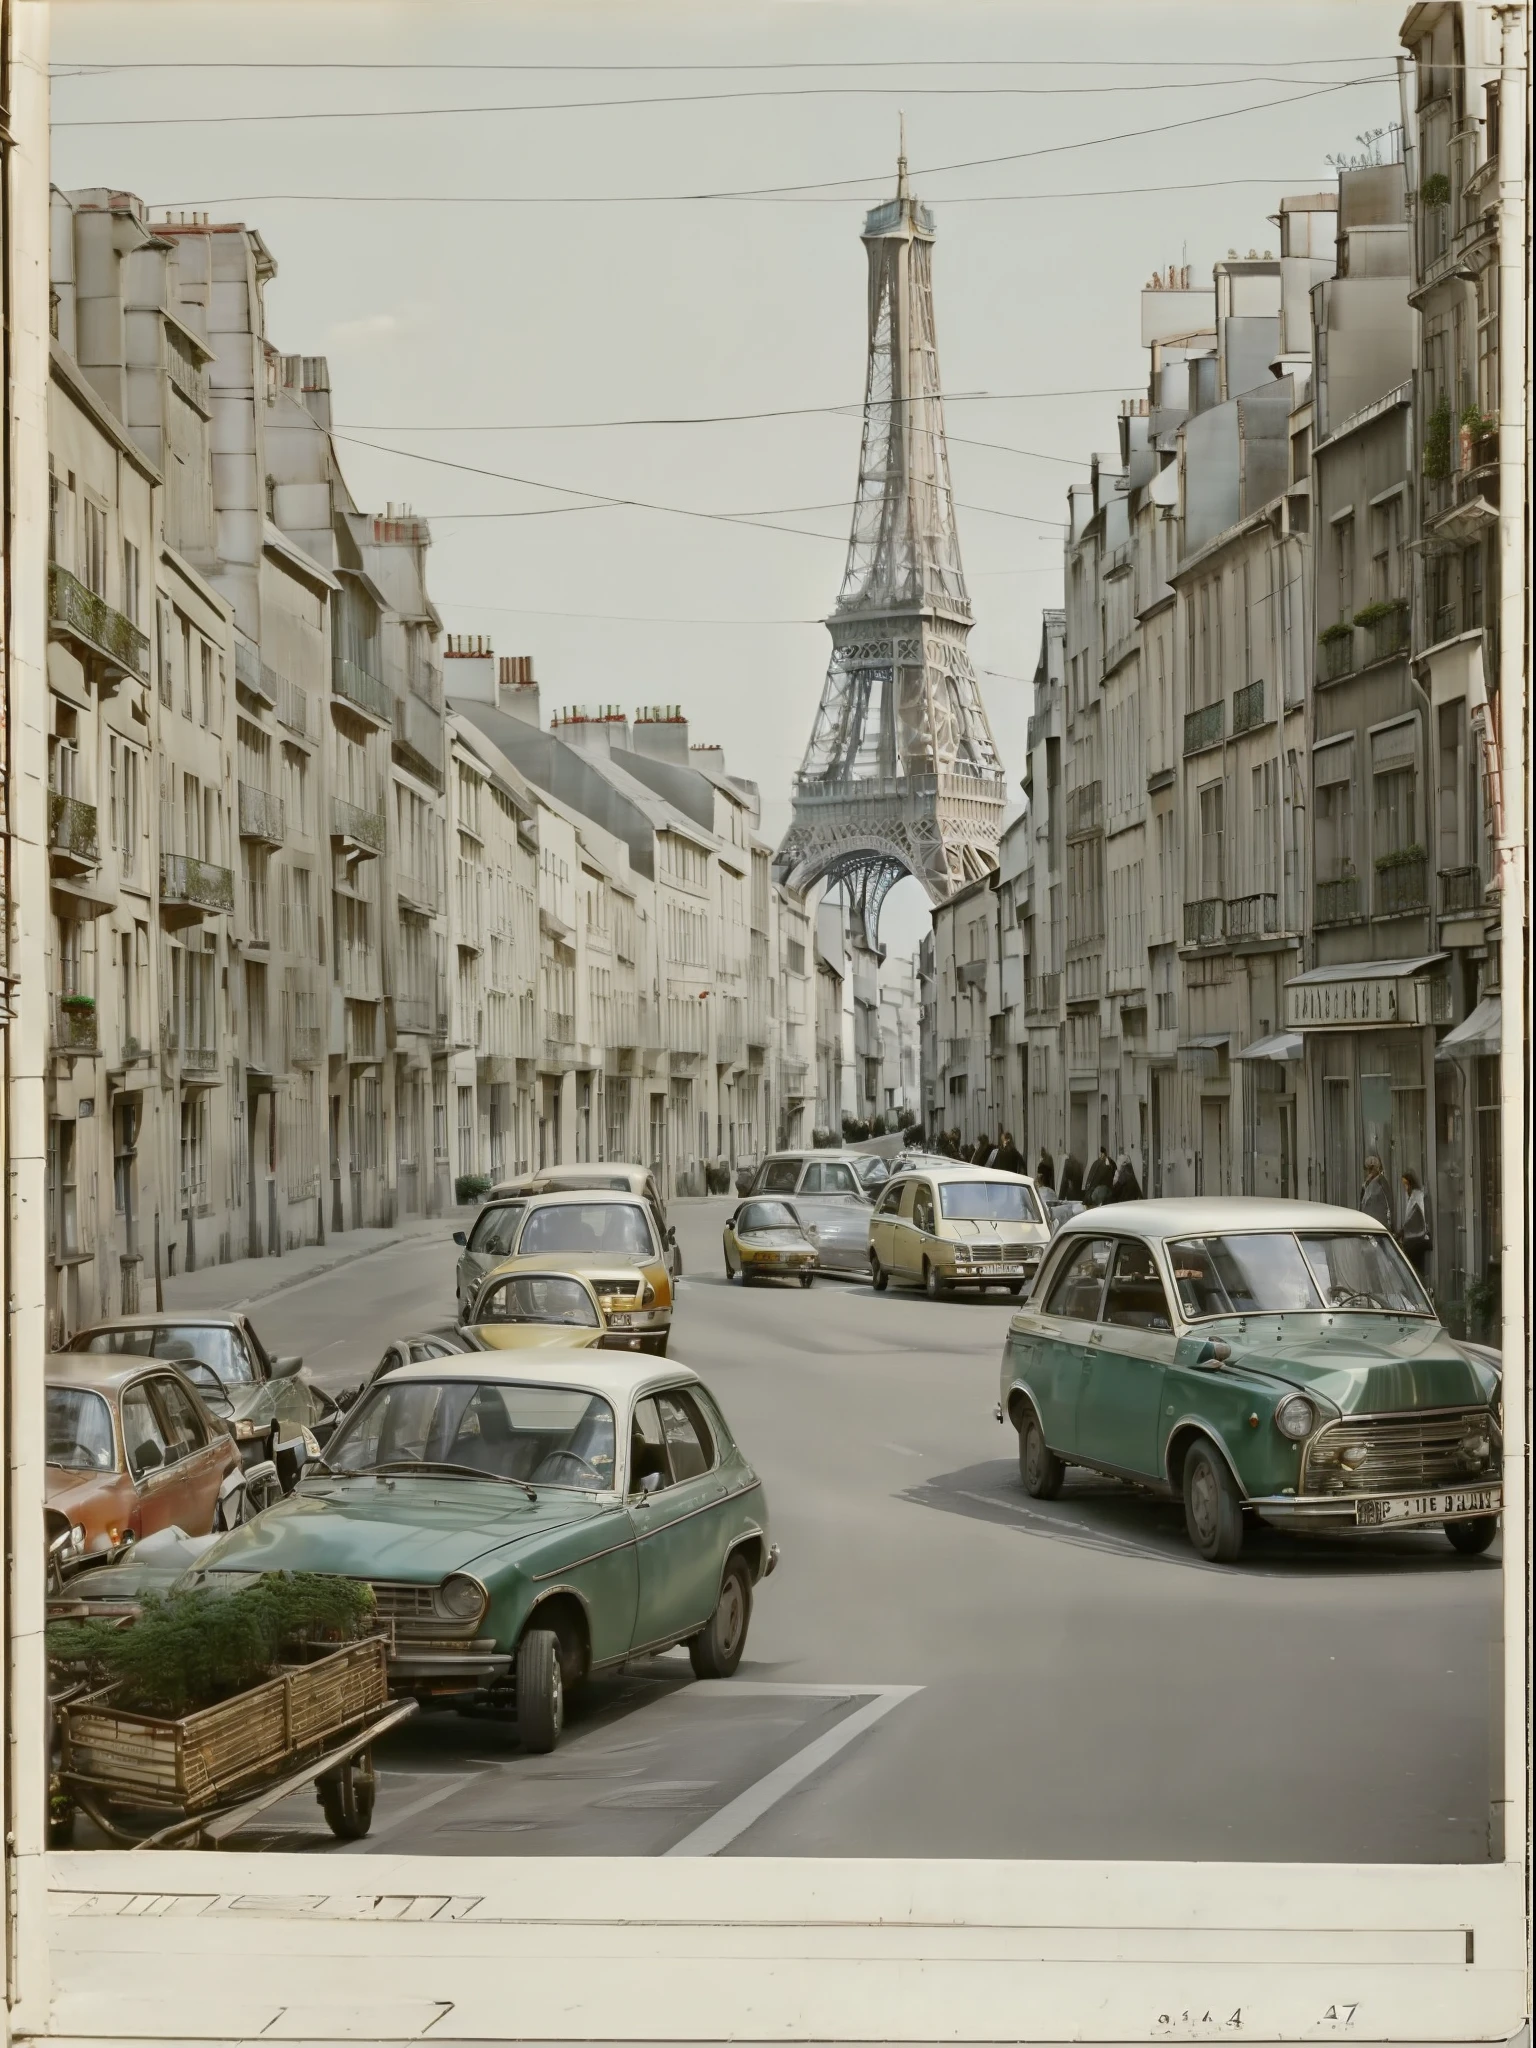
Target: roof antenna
[[901, 159]]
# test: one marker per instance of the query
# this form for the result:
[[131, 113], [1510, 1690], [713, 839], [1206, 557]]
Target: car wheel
[[933, 1286], [346, 1799], [540, 1692], [806, 1279], [879, 1279], [1213, 1512], [1472, 1538], [716, 1650], [1039, 1467]]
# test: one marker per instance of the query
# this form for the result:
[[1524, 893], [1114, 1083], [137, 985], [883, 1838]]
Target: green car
[[1270, 1361], [528, 1520]]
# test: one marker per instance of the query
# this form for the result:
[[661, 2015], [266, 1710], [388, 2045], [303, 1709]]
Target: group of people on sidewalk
[[1106, 1180], [1004, 1156], [1411, 1226]]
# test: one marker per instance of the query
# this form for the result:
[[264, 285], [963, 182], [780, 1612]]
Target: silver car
[[486, 1243], [830, 1200]]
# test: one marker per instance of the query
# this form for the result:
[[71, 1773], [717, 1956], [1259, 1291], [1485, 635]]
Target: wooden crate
[[197, 1762]]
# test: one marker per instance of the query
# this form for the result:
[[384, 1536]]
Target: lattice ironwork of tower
[[902, 775]]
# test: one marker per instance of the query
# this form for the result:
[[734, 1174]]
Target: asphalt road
[[941, 1666]]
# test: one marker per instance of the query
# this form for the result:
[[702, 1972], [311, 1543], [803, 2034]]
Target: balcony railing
[[199, 1059], [1085, 810], [1203, 728], [355, 825], [191, 382], [261, 815], [197, 883], [1336, 657], [414, 1013], [252, 673], [1042, 995], [419, 731], [292, 706], [1247, 708], [1461, 891], [305, 1045], [1337, 902], [72, 834], [1205, 921], [1386, 631], [75, 1029], [1402, 883], [364, 691], [1252, 917], [792, 1079], [78, 614], [957, 1053]]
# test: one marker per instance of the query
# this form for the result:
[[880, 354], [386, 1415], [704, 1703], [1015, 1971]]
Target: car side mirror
[[460, 1238], [1214, 1354], [146, 1457], [671, 1234], [323, 1430], [285, 1368]]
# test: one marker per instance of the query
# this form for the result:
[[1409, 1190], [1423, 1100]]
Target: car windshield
[[538, 1298], [79, 1426], [495, 1229], [767, 1216], [210, 1344], [781, 1176], [988, 1201], [544, 1436], [1272, 1272], [617, 1230]]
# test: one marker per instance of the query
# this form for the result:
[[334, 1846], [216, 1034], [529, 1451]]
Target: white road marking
[[904, 1450], [733, 1819]]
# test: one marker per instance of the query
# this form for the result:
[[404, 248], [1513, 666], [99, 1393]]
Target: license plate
[[620, 1322], [1429, 1507]]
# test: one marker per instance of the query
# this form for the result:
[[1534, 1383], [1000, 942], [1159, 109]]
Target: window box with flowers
[[1387, 623]]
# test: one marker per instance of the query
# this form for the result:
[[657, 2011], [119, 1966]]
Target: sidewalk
[[242, 1281]]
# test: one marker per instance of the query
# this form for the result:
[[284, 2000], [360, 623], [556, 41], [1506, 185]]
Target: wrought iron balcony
[[191, 381], [1247, 708], [261, 815], [1205, 921], [1402, 882], [252, 673], [195, 884], [306, 1045], [79, 615], [1462, 891], [360, 829], [1085, 810], [199, 1059], [1336, 656], [1252, 917], [1203, 728], [72, 834], [75, 1029], [364, 691], [414, 1013], [1337, 902]]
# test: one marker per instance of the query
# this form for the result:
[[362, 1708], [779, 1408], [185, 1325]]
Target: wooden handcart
[[207, 1775]]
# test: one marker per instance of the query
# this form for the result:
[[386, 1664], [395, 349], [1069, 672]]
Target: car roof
[[575, 1176], [620, 1375], [817, 1152], [956, 1169], [1213, 1215], [203, 1319], [104, 1371], [584, 1197]]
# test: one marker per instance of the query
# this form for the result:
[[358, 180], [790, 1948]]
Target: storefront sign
[[1361, 1003]]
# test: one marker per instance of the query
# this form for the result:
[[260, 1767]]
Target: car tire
[[1472, 1538], [806, 1279], [933, 1286], [346, 1799], [1213, 1509], [540, 1692], [879, 1279], [716, 1650], [1039, 1467]]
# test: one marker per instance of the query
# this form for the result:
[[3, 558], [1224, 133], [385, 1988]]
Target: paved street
[[1081, 1686]]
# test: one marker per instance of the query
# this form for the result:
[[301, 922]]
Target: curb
[[345, 1258]]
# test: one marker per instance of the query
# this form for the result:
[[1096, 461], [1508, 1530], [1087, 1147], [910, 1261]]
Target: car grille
[[1401, 1453], [407, 1609], [985, 1254]]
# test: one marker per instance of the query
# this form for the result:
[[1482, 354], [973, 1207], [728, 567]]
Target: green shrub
[[192, 1649], [469, 1187], [1405, 857], [1374, 614], [1339, 631], [1478, 423], [1437, 443], [1436, 189]]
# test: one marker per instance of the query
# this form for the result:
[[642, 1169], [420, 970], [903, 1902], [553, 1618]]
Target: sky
[[574, 279]]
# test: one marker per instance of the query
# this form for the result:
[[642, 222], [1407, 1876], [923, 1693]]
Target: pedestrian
[[1101, 1175], [1071, 1178], [1375, 1195], [943, 1146], [1125, 1187], [983, 1151], [956, 1149], [1045, 1170], [1008, 1158], [1413, 1232]]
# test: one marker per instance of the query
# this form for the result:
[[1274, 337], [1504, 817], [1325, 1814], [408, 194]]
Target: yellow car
[[765, 1240], [611, 1241], [519, 1309]]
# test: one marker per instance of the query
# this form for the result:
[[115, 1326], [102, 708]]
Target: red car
[[130, 1449]]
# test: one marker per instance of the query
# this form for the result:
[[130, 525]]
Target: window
[[78, 1431], [922, 1208], [1333, 772], [538, 1298], [1213, 835], [689, 1450], [617, 1230], [1387, 550], [206, 700], [94, 559], [63, 1208], [194, 1151], [1136, 1299], [1471, 587], [833, 1178], [183, 1425], [890, 1201], [131, 598], [554, 1436], [495, 1229], [988, 1201], [1344, 565], [1079, 1284], [782, 1176], [143, 1436], [1394, 778], [1265, 795]]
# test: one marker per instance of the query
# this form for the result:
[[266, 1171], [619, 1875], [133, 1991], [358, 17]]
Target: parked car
[[613, 1176], [447, 1340], [129, 1448], [827, 1175], [746, 1173], [522, 1307], [486, 1242], [765, 1240], [547, 1517], [615, 1239], [829, 1201], [952, 1226], [271, 1402], [1261, 1360]]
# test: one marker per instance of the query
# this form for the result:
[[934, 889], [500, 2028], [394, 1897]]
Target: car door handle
[[1095, 1338]]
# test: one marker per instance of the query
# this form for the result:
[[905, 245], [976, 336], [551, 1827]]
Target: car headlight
[[460, 1598], [648, 1296], [1295, 1417], [247, 1431]]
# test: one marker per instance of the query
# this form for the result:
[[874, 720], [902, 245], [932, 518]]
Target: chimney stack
[[517, 694], [661, 733], [469, 668]]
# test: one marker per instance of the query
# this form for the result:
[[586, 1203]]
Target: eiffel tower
[[902, 775]]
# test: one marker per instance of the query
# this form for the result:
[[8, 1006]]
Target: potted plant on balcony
[[1436, 189], [1476, 427], [1437, 443], [84, 1005]]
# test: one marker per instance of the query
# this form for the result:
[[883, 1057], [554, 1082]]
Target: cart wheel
[[346, 1798], [61, 1821]]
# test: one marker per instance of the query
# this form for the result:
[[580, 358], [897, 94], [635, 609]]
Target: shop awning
[[1280, 1045], [1205, 1041], [1477, 1036], [1367, 993]]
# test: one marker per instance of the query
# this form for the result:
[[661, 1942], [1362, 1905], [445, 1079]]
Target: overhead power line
[[925, 63], [710, 419]]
